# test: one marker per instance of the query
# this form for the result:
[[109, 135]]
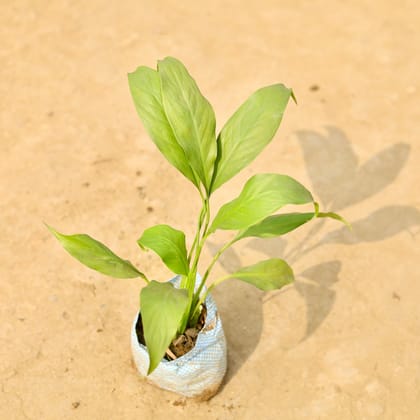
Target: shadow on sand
[[338, 181]]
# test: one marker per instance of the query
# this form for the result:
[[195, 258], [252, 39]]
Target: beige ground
[[344, 341]]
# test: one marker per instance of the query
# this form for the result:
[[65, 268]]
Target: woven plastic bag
[[197, 373]]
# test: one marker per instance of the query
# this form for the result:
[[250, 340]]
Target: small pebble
[[181, 402], [396, 296]]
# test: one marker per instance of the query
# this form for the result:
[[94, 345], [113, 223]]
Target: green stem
[[193, 270], [197, 235], [211, 287], [144, 277], [203, 234], [194, 255], [185, 282], [213, 261], [197, 301], [217, 282]]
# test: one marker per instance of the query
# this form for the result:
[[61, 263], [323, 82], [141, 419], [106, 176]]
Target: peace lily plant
[[181, 122]]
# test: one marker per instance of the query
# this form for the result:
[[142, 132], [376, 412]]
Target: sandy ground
[[343, 342]]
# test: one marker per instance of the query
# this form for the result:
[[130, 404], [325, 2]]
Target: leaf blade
[[249, 130], [169, 244], [191, 117], [145, 90], [162, 307], [276, 225], [262, 195], [266, 275], [96, 255]]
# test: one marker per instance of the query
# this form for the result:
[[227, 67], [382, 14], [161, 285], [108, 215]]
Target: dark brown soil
[[181, 344]]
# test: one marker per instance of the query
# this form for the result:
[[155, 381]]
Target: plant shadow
[[241, 311], [318, 293], [337, 177], [345, 182], [240, 307], [338, 181]]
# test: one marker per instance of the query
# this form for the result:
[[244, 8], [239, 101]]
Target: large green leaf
[[169, 244], [162, 307], [97, 256], [190, 116], [262, 195], [276, 225], [266, 275], [146, 92], [249, 130]]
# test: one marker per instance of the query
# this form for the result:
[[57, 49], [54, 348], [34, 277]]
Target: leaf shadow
[[339, 181], [379, 225], [335, 173], [318, 293], [240, 307], [272, 247]]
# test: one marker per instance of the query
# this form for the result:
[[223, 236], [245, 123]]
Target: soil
[[342, 342], [181, 344]]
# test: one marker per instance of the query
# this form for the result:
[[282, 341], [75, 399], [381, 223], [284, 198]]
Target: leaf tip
[[143, 248], [150, 369], [292, 94], [343, 220], [336, 216], [348, 224], [52, 230]]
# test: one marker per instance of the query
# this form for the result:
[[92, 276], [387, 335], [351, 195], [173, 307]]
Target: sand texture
[[342, 342]]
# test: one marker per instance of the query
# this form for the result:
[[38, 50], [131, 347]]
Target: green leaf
[[335, 216], [169, 244], [262, 195], [97, 256], [276, 225], [266, 275], [146, 92], [249, 130], [162, 307], [190, 116]]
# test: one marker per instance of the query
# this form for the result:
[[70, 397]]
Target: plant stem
[[196, 312], [197, 301], [213, 261], [197, 235], [144, 277], [193, 270], [202, 236], [214, 284], [194, 255], [185, 282]]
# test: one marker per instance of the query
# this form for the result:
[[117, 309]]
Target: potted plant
[[177, 335]]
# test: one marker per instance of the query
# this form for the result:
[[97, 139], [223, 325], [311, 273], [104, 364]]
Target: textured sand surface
[[344, 341]]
